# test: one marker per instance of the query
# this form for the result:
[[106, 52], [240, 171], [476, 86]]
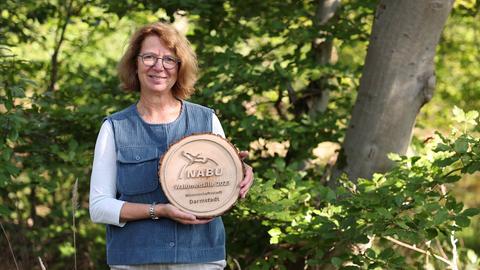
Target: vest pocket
[[137, 170]]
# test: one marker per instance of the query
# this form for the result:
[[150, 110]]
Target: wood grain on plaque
[[201, 173]]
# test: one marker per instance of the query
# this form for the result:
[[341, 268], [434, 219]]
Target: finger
[[246, 183], [186, 216], [184, 220], [178, 214], [248, 178], [209, 217], [244, 189], [203, 220], [243, 154], [197, 221], [243, 192]]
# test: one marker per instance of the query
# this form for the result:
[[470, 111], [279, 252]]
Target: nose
[[158, 65]]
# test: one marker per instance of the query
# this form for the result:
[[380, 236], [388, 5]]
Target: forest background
[[283, 81]]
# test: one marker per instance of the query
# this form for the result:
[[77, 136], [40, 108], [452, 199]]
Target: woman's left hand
[[247, 181]]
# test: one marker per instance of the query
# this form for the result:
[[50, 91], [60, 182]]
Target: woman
[[144, 231]]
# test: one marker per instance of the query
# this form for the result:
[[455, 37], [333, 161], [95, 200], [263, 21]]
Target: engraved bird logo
[[192, 159]]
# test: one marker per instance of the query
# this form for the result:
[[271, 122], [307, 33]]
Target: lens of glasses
[[169, 62], [150, 60]]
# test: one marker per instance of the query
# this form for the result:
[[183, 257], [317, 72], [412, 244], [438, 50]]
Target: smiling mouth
[[156, 77]]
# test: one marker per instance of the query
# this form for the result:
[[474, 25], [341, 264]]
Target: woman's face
[[156, 78]]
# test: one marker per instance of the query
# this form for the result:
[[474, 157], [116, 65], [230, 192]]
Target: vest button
[[137, 157], [172, 244]]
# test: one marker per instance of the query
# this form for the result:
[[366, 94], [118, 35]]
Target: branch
[[54, 63], [439, 246], [476, 35], [9, 245], [326, 9], [453, 241], [237, 264], [400, 243], [32, 200], [278, 105], [291, 94], [41, 263], [74, 208], [452, 171]]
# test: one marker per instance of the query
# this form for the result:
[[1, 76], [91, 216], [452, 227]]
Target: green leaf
[[431, 207], [473, 167], [445, 162], [461, 146], [470, 117], [442, 147], [440, 217], [394, 156], [471, 212], [386, 254], [328, 194], [458, 207], [402, 225], [452, 178], [431, 233], [462, 221], [459, 114], [13, 136], [371, 253], [398, 200], [4, 211], [275, 234], [362, 239], [415, 159], [336, 261], [18, 92], [472, 257], [66, 249], [6, 153], [384, 212]]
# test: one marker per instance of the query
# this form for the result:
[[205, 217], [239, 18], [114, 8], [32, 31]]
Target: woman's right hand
[[172, 212]]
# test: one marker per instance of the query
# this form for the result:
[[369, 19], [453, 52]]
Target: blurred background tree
[[283, 77]]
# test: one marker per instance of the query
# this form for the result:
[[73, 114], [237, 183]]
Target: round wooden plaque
[[201, 174]]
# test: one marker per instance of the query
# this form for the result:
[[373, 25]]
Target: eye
[[169, 59], [149, 57]]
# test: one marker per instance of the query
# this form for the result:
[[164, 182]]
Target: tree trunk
[[397, 80], [314, 98], [324, 54]]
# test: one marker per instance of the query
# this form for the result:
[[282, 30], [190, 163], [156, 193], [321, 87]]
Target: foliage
[[259, 72], [456, 84], [412, 203]]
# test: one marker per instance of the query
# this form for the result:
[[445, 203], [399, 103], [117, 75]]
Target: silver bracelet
[[152, 211]]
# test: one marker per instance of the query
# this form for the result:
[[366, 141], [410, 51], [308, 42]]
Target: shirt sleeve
[[104, 207], [217, 126]]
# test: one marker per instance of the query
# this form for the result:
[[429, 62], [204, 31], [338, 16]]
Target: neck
[[156, 109], [154, 103]]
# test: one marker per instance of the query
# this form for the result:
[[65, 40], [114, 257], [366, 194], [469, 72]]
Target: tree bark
[[314, 98], [397, 80], [61, 29]]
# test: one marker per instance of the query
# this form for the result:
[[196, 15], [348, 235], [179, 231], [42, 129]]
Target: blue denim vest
[[139, 146]]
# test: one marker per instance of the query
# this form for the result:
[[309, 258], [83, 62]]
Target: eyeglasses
[[150, 60]]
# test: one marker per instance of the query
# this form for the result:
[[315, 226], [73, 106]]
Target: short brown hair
[[188, 68]]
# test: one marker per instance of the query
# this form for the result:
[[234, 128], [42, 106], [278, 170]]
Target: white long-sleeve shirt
[[104, 207]]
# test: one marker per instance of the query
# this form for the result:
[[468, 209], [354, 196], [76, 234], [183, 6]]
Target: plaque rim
[[230, 203]]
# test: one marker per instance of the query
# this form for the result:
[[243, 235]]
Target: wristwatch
[[152, 211]]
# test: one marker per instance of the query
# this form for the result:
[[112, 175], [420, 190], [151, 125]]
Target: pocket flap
[[136, 154]]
